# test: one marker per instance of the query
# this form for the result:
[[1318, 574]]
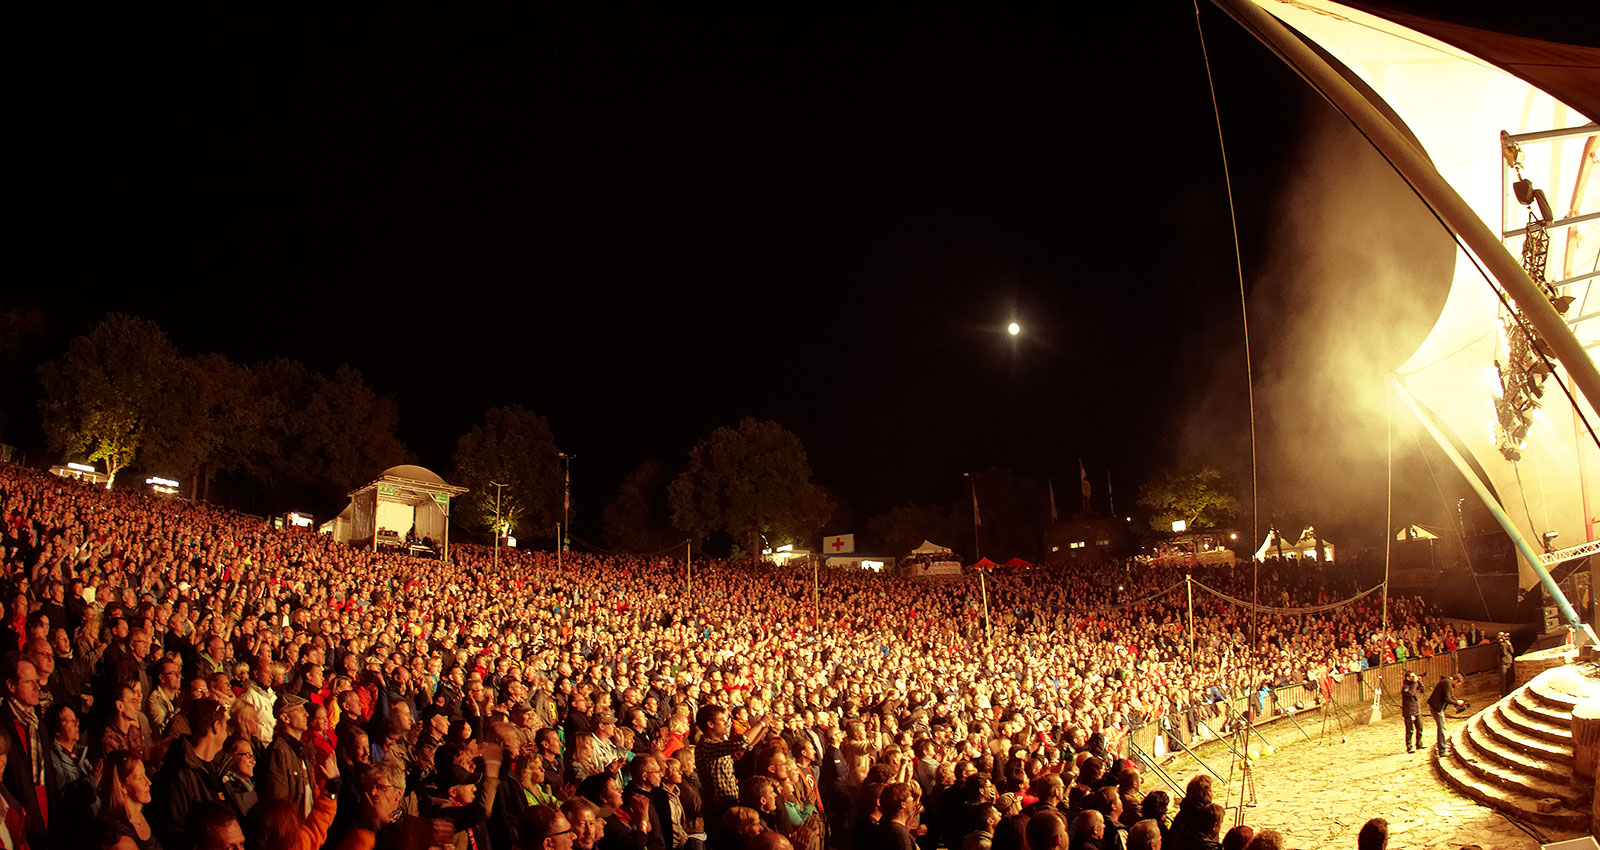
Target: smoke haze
[[1353, 273]]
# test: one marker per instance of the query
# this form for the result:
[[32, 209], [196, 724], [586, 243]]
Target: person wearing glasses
[[543, 827]]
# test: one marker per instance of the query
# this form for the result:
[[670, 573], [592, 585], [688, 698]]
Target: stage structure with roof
[[1497, 135], [384, 512]]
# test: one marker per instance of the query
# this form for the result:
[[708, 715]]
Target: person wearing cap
[[285, 774], [607, 750]]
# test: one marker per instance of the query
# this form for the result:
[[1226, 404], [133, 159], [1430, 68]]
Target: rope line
[[1314, 609]]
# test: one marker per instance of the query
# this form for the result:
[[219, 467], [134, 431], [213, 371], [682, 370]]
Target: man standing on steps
[[1411, 710], [1442, 696], [1508, 662]]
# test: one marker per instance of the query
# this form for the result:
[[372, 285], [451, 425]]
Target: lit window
[[1055, 548], [1102, 543], [1078, 544]]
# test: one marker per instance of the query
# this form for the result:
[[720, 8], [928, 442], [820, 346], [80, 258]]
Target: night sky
[[644, 227]]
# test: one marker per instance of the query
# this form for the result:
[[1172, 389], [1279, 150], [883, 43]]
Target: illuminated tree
[[1196, 497], [749, 481], [513, 446], [101, 397]]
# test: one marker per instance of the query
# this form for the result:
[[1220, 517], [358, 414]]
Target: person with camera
[[1411, 710], [1508, 662], [1442, 696]]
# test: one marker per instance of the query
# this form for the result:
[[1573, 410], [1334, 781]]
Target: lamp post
[[497, 527], [566, 499]]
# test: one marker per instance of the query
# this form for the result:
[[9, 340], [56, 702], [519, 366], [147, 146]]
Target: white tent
[[1415, 532], [1304, 548], [928, 547]]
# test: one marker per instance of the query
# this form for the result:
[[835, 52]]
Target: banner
[[839, 544]]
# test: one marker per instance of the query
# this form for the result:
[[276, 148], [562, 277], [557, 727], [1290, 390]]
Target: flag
[[977, 518], [566, 491], [839, 544], [1083, 478], [1053, 515]]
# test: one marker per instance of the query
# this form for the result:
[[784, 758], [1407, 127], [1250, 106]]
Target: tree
[[315, 434], [514, 447], [204, 413], [102, 396], [345, 434], [1196, 497], [638, 519], [749, 481]]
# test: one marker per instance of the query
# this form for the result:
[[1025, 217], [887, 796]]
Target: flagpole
[[1110, 495], [977, 547]]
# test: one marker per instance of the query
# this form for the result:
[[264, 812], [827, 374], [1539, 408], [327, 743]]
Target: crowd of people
[[183, 676]]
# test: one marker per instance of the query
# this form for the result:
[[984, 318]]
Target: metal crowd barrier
[[1353, 690]]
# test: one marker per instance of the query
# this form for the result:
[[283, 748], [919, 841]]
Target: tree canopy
[[102, 396], [749, 481], [1195, 496], [513, 446], [638, 519], [124, 395]]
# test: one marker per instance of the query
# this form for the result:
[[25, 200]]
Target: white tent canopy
[[1304, 548], [928, 547], [1415, 532]]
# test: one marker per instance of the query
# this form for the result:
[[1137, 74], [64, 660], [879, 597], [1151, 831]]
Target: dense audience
[[181, 676]]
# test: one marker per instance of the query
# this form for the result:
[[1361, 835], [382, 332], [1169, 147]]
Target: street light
[[1013, 329], [566, 499], [498, 529]]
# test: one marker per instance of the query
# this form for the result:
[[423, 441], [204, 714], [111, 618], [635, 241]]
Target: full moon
[[1013, 329]]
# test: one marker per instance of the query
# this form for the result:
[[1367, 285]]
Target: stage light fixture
[[1524, 191]]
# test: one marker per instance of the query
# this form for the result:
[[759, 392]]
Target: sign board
[[839, 544]]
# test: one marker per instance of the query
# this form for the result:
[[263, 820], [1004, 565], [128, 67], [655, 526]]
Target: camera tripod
[[1341, 718]]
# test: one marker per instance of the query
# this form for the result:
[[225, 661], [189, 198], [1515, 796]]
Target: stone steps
[[1481, 738], [1531, 707], [1518, 805], [1510, 770], [1517, 755], [1513, 737], [1517, 717]]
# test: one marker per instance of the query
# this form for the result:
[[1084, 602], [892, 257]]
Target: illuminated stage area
[[1318, 793]]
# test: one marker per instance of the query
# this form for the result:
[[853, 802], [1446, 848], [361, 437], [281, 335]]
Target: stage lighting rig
[[1525, 366]]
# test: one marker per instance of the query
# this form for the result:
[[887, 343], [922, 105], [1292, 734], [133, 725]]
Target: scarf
[[29, 721]]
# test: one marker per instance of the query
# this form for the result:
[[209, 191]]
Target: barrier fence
[[1352, 691]]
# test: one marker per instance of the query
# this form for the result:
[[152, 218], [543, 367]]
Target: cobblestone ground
[[1318, 793]]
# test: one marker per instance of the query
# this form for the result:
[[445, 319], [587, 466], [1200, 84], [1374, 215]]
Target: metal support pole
[[688, 566], [816, 591], [1489, 501], [1188, 586], [498, 530], [983, 588], [1388, 521]]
